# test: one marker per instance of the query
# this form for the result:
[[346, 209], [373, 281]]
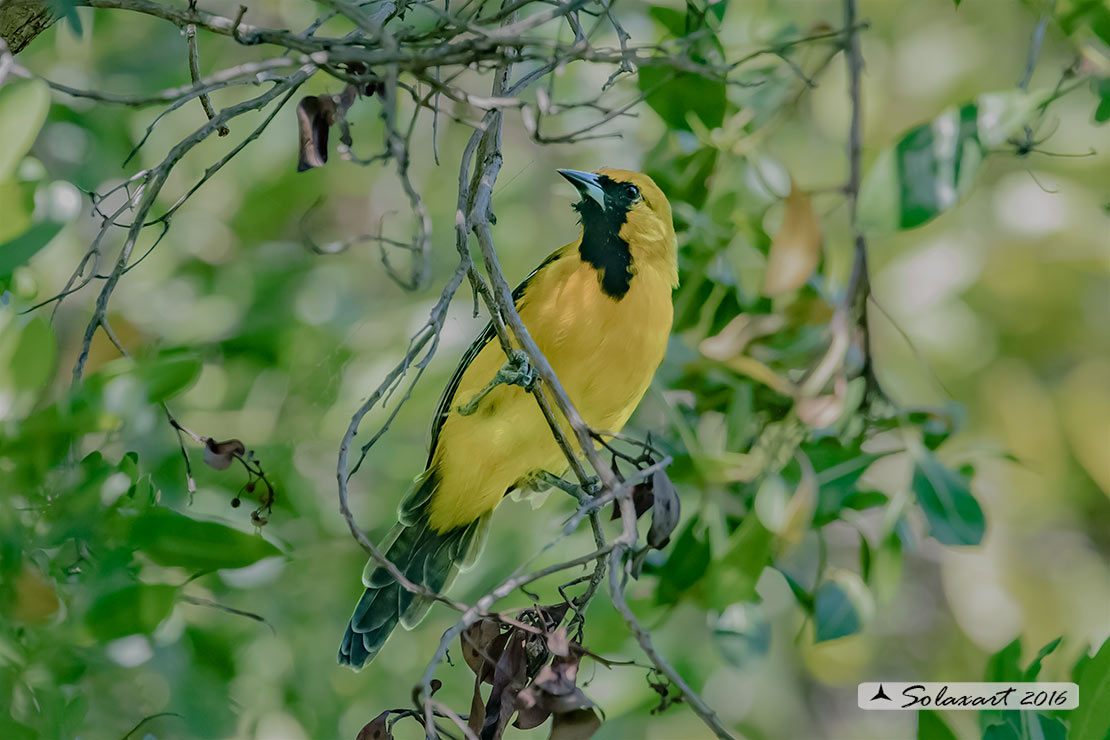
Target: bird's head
[[625, 212]]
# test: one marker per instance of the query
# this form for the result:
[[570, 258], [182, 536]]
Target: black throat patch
[[602, 245]]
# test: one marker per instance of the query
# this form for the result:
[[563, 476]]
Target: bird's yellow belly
[[604, 352]]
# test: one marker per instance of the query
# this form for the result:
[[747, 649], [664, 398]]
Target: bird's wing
[[487, 335]]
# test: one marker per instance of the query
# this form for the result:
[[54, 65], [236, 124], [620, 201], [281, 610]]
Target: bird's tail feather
[[425, 557]]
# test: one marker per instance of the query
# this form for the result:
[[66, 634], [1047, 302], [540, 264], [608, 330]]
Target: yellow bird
[[600, 311]]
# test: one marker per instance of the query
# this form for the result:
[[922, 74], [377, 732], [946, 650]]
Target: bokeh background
[[999, 307]]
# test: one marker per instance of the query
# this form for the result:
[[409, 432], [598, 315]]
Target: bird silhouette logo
[[880, 694]]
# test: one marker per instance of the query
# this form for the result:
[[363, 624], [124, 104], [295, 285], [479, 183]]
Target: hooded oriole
[[600, 311]]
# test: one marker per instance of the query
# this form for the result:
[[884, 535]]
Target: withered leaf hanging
[[666, 510], [554, 692], [376, 729], [219, 455], [658, 495], [316, 114]]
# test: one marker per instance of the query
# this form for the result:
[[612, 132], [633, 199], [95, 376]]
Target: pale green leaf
[[1091, 721], [834, 613], [173, 539], [135, 609], [23, 108]]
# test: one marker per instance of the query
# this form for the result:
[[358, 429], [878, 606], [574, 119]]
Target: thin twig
[[1035, 48], [194, 70], [643, 637], [197, 601], [153, 186], [148, 718]]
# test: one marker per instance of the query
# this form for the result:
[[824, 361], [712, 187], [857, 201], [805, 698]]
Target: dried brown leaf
[[820, 412], [642, 500], [756, 370], [729, 341], [508, 679], [666, 510], [580, 724], [476, 643], [315, 115], [557, 678], [796, 248], [802, 504], [557, 642], [219, 455], [477, 708], [34, 596], [530, 710], [552, 691], [553, 614], [575, 700], [376, 729]]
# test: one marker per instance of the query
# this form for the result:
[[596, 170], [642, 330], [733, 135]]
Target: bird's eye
[[631, 191]]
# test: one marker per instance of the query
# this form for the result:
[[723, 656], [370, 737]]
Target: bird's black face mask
[[603, 211]]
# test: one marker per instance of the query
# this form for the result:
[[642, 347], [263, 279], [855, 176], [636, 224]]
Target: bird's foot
[[581, 493], [517, 370]]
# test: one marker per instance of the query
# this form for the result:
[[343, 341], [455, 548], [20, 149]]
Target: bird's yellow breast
[[605, 352]]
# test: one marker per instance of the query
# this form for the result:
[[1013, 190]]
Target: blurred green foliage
[[810, 557]]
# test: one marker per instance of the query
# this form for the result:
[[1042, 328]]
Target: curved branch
[[22, 20]]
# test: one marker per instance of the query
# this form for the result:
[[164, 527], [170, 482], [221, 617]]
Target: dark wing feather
[[487, 335], [448, 396]]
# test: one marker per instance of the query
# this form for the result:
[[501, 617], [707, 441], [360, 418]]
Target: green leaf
[[129, 465], [1101, 89], [672, 19], [1093, 14], [1017, 725], [22, 248], [138, 608], [1052, 728], [834, 613], [1001, 731], [886, 569], [1002, 667], [937, 425], [1091, 721], [34, 356], [1102, 112], [1080, 664], [675, 95], [172, 539], [801, 595], [168, 377], [685, 566], [683, 177], [742, 634], [954, 515], [23, 108], [736, 573], [864, 558], [933, 165], [68, 10], [931, 727], [860, 500], [1035, 665], [17, 201], [839, 468]]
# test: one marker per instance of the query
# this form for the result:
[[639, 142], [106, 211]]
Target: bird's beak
[[586, 183]]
